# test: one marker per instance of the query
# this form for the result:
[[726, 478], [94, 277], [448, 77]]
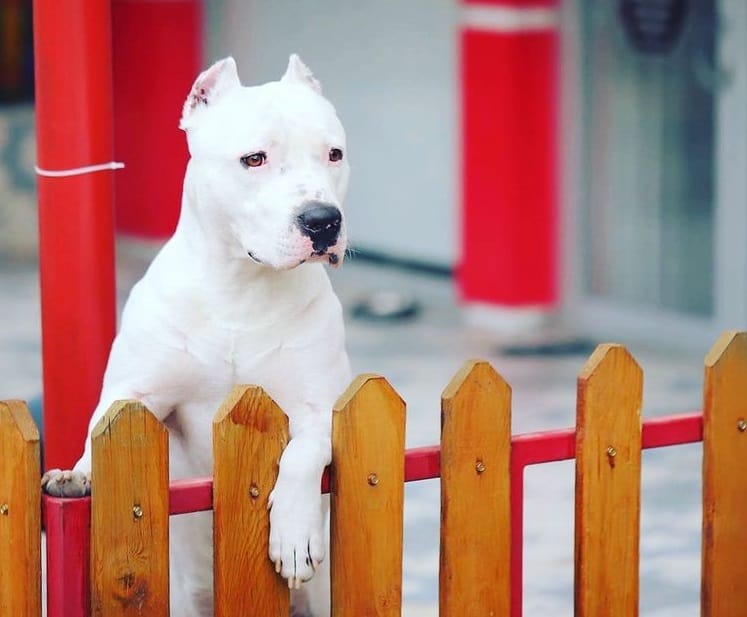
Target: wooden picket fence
[[481, 469]]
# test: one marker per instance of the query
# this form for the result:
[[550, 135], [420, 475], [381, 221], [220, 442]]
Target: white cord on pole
[[77, 171]]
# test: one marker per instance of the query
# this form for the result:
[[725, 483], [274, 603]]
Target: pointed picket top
[[605, 359], [610, 367], [251, 406], [477, 374], [475, 492], [15, 415], [367, 383], [730, 347], [121, 416], [20, 514], [724, 543]]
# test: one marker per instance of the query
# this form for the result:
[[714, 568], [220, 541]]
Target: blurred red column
[[72, 56], [509, 57], [157, 55]]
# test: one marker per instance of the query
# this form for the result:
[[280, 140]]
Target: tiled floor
[[419, 357]]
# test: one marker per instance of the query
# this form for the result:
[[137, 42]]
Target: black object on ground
[[568, 347], [386, 306]]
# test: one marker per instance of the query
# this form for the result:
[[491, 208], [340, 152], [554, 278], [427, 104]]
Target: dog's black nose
[[321, 223]]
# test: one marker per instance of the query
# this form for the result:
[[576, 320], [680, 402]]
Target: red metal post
[[509, 108], [68, 526], [72, 48], [517, 534]]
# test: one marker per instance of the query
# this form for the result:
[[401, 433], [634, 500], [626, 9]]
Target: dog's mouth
[[332, 258]]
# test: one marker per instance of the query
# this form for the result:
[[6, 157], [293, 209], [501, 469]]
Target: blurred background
[[528, 179]]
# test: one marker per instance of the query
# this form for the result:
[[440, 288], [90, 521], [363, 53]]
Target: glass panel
[[648, 211]]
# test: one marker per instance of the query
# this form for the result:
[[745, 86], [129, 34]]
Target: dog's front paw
[[296, 533], [66, 483]]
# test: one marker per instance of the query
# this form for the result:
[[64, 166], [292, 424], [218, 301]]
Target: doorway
[[657, 212]]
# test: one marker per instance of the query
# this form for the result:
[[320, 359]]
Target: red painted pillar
[[157, 55], [72, 49], [509, 57]]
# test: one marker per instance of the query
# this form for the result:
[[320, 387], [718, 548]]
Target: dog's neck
[[206, 242]]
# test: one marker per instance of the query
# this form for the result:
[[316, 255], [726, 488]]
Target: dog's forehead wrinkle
[[296, 132]]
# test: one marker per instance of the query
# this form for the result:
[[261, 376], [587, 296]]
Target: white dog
[[239, 295]]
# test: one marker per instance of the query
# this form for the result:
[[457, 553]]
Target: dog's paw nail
[[278, 566], [315, 564], [47, 477]]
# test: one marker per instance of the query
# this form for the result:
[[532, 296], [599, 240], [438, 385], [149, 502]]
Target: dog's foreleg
[[297, 543]]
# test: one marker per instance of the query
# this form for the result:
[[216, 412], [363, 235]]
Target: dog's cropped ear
[[209, 86], [298, 73]]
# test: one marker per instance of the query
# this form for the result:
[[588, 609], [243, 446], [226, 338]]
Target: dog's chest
[[228, 354], [245, 346], [267, 343]]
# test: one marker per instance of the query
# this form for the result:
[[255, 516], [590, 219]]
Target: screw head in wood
[[373, 479], [480, 467], [4, 509], [742, 425], [611, 454], [253, 491], [137, 511]]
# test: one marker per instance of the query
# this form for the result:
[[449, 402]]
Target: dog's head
[[269, 167]]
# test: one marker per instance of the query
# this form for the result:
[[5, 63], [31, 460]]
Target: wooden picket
[[475, 497], [249, 434], [478, 463], [367, 486], [20, 515], [130, 514], [608, 484], [724, 538]]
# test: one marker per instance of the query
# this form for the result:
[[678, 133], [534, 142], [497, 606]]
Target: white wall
[[390, 68]]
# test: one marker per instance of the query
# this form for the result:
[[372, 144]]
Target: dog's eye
[[256, 159], [335, 155]]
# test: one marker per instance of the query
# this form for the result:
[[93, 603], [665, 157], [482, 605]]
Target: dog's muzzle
[[321, 223]]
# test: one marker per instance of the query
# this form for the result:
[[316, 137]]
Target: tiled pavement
[[419, 357]]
